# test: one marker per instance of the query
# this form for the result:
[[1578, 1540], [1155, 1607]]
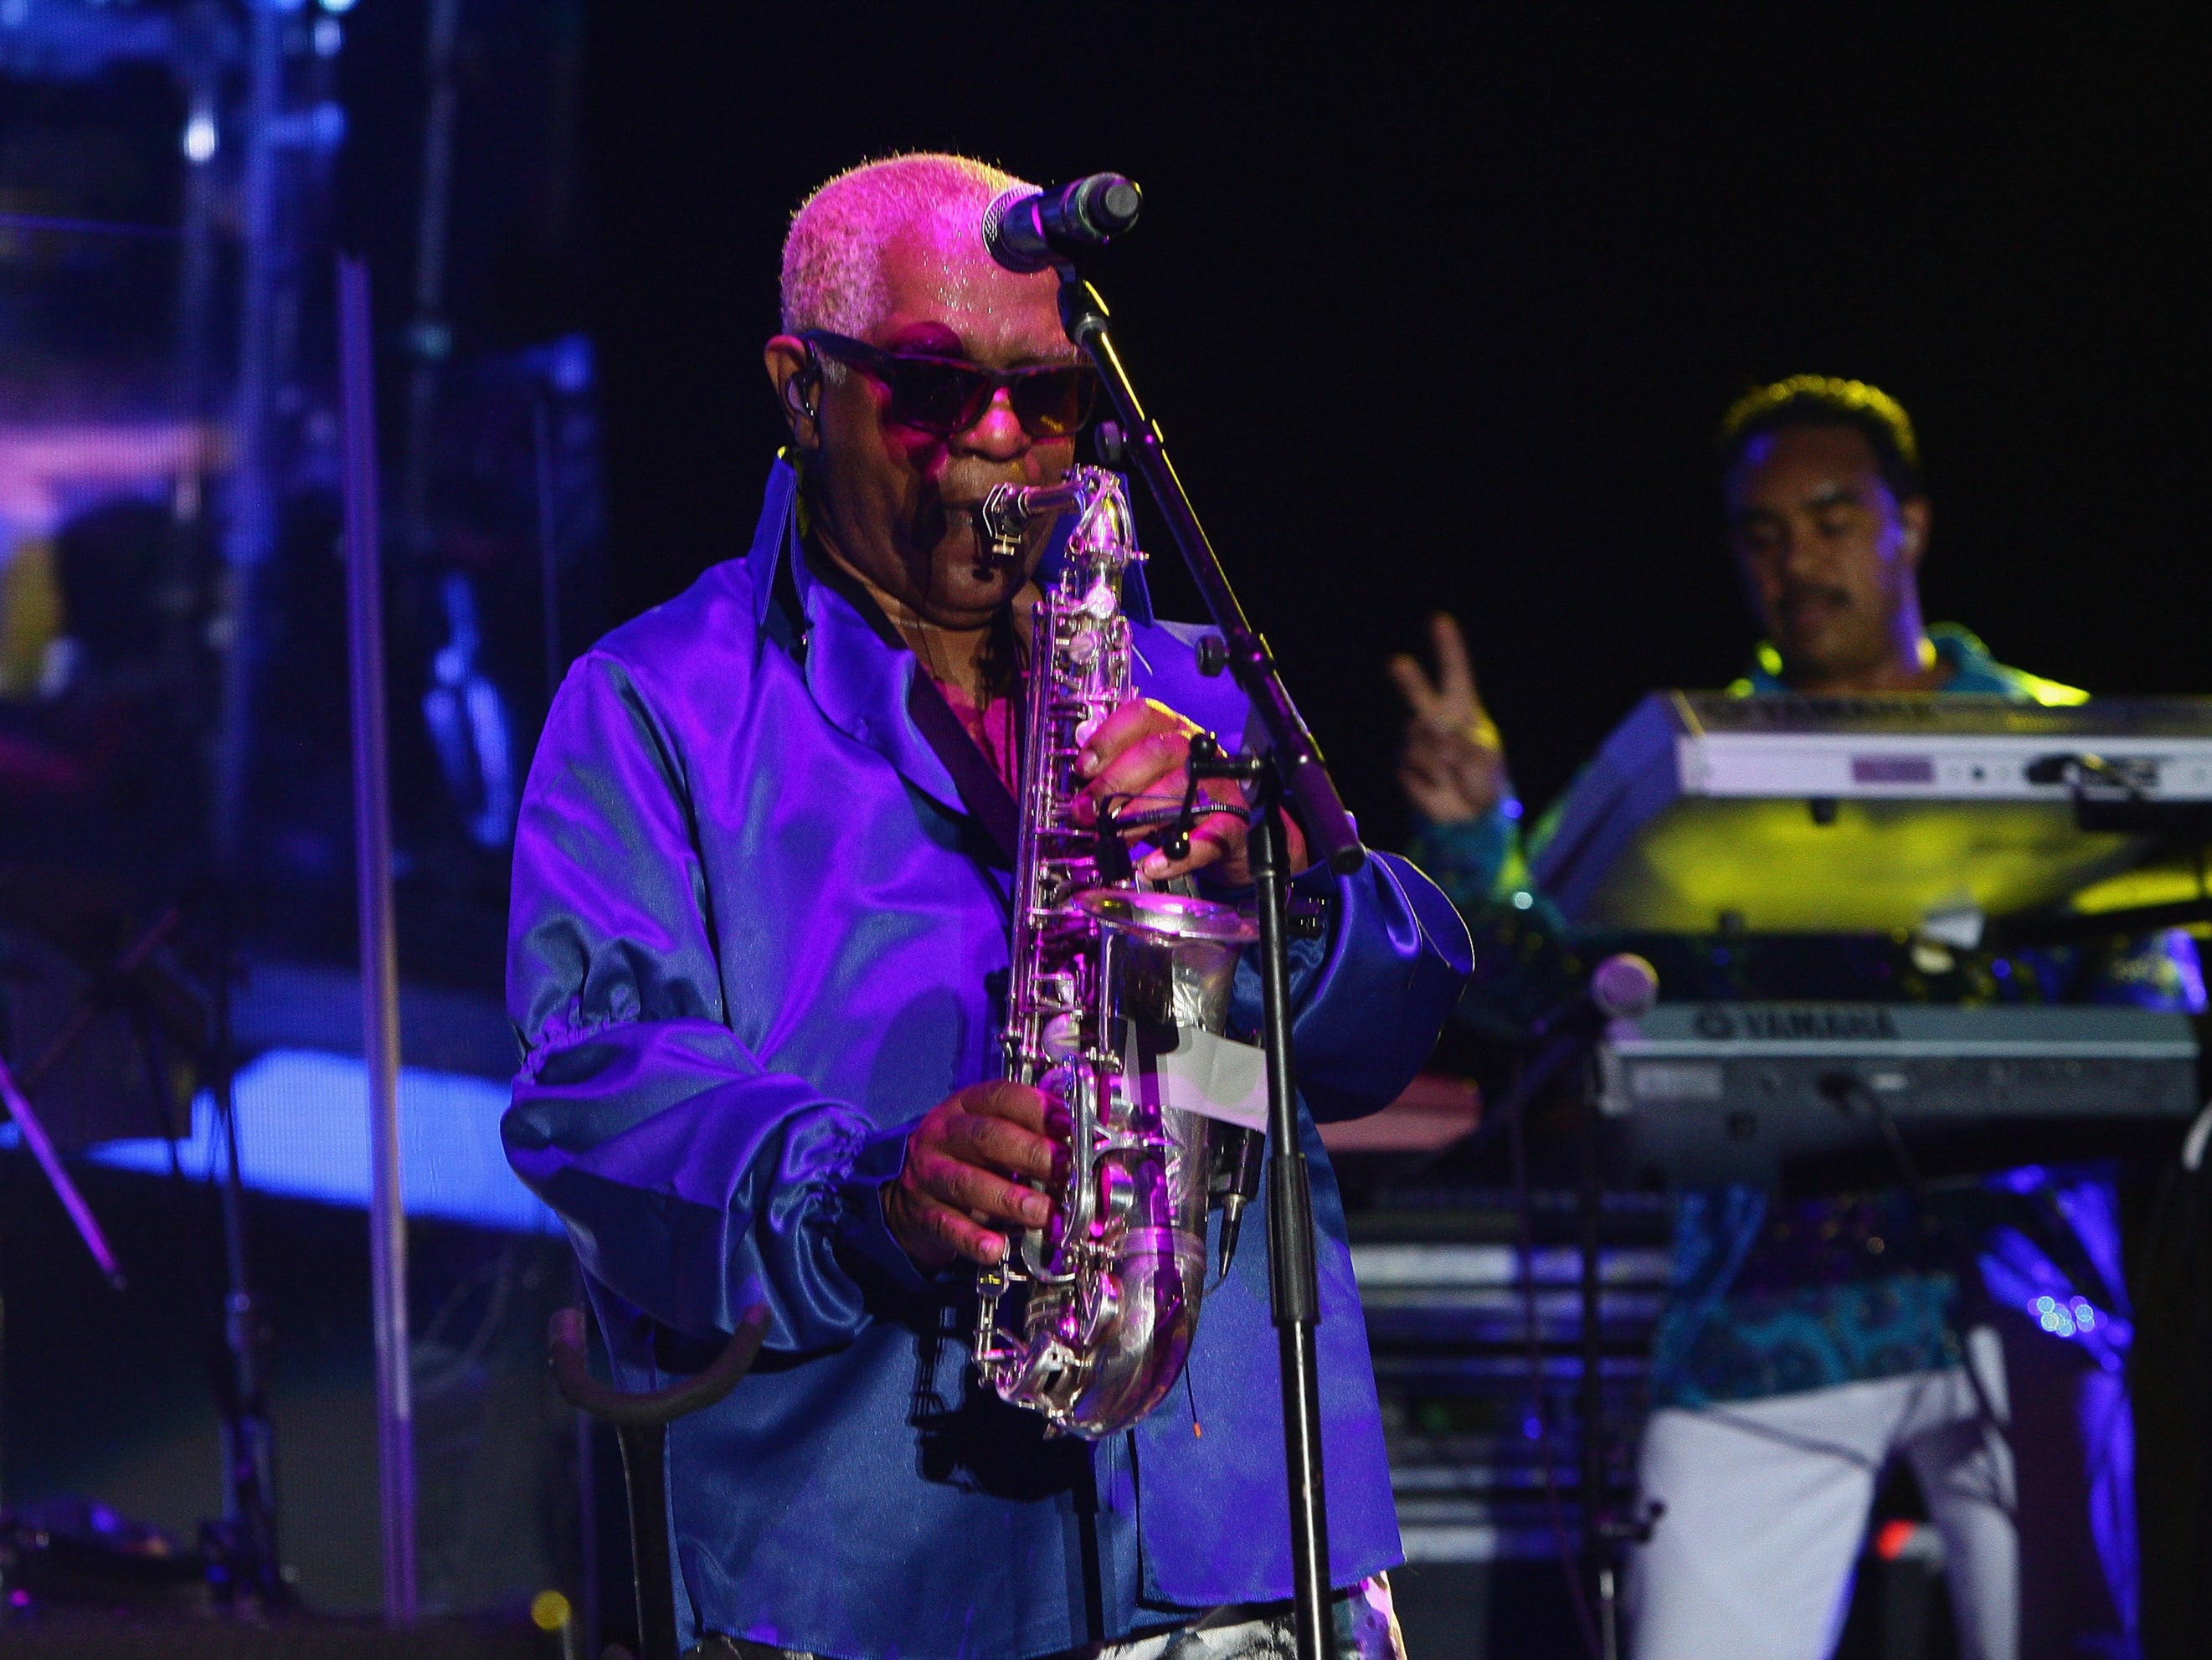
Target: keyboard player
[[1808, 1345]]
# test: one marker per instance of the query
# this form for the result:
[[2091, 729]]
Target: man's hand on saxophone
[[1139, 757], [967, 1160], [962, 1165]]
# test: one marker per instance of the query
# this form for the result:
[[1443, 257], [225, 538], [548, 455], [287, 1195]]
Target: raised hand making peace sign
[[1453, 765]]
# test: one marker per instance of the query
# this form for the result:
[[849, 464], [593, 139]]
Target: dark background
[[1442, 311]]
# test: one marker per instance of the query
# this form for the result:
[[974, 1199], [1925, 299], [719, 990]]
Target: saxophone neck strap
[[990, 804]]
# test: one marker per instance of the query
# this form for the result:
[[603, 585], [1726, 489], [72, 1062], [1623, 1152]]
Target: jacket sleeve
[[1373, 993], [693, 1182]]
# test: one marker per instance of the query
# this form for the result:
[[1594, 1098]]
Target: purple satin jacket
[[755, 938]]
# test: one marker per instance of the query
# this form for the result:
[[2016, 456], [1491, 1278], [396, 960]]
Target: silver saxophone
[[1106, 968]]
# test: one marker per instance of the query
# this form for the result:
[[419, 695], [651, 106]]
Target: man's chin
[[970, 585], [1822, 640], [1816, 658]]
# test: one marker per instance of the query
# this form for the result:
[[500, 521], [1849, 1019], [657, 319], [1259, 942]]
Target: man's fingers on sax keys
[[1213, 839], [1150, 767], [934, 1234], [1020, 1104], [997, 1144], [1138, 758], [1027, 1111], [980, 1193], [1135, 721], [1151, 774], [1134, 748]]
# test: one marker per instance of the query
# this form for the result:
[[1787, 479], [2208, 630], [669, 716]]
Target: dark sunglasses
[[945, 395]]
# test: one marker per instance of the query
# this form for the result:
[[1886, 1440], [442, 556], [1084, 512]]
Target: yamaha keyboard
[[1710, 1092], [1709, 813]]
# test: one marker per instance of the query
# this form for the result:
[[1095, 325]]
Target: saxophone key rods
[[1109, 1290]]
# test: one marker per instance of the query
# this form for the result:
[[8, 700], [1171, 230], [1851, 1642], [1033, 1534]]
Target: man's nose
[[1800, 554], [997, 434]]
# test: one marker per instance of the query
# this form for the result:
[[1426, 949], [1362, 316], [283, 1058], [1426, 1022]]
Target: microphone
[[1027, 230], [1624, 987]]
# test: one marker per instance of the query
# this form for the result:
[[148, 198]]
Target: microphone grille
[[994, 214], [996, 242], [1625, 987]]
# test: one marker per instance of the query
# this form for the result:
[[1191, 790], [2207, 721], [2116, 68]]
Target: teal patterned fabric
[[1476, 861], [1778, 1343], [1768, 1299]]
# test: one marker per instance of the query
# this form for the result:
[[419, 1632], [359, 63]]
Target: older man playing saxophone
[[757, 957]]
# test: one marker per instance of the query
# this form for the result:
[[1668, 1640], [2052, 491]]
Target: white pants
[[1766, 1504]]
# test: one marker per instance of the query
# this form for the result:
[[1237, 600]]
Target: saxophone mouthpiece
[[1007, 510]]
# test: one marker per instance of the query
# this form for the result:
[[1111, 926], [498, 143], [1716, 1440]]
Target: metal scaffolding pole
[[380, 962], [252, 511], [428, 333]]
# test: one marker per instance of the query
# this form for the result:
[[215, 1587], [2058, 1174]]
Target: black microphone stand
[[1292, 766]]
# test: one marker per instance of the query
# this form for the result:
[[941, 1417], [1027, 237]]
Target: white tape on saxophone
[[1210, 1076]]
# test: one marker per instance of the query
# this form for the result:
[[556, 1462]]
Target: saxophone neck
[[1012, 506], [1008, 509]]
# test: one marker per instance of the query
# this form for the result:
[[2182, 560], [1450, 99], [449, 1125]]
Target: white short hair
[[833, 275]]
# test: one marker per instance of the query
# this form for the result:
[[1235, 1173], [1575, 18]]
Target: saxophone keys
[[1063, 1037]]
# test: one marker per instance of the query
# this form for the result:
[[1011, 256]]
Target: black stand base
[[1293, 1279]]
